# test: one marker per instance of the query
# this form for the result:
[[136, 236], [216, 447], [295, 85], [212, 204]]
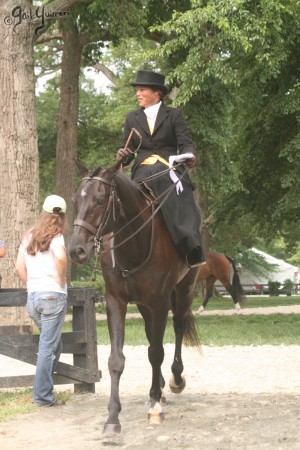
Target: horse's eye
[[100, 201]]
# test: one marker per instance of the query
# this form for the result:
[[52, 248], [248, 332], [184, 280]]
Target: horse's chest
[[148, 286]]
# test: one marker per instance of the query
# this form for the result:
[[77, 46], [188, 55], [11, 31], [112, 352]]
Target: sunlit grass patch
[[15, 402]]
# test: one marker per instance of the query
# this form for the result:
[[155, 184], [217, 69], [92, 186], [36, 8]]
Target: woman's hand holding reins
[[122, 154], [191, 162]]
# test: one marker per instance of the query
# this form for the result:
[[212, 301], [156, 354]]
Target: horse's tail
[[190, 334], [236, 283]]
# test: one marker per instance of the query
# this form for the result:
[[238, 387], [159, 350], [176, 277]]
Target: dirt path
[[236, 398]]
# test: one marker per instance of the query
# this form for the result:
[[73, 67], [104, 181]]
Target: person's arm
[[2, 249], [183, 138], [21, 267], [60, 260]]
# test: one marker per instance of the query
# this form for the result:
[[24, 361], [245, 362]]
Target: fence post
[[84, 319]]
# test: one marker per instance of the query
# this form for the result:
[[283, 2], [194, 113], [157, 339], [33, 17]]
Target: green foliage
[[288, 285], [47, 104], [273, 287], [86, 281], [234, 68], [97, 143], [249, 52]]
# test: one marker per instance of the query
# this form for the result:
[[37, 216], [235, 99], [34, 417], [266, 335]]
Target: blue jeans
[[47, 309]]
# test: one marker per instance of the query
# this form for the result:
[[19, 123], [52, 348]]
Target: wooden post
[[84, 319]]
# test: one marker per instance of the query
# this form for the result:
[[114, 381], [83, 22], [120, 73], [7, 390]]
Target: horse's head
[[96, 207]]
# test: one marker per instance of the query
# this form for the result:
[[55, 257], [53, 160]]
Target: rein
[[96, 231]]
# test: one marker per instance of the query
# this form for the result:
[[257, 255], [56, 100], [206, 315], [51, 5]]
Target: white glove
[[174, 177]]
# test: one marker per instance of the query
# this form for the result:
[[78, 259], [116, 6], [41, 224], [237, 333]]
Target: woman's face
[[146, 96]]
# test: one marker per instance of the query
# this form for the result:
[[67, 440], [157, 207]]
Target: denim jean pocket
[[51, 304]]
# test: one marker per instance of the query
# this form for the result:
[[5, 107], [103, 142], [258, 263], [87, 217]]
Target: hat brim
[[160, 87]]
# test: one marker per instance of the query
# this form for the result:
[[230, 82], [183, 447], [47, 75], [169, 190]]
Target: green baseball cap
[[54, 204]]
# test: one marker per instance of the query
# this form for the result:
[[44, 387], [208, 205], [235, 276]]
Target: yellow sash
[[154, 158]]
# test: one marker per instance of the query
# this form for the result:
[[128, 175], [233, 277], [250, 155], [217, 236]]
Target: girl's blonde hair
[[48, 226]]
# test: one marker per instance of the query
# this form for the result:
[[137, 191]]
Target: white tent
[[282, 272]]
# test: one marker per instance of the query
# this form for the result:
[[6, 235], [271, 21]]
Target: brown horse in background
[[217, 267]]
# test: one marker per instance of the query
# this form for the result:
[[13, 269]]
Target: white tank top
[[41, 268]]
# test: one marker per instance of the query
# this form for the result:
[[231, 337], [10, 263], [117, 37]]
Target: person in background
[[2, 249], [41, 265], [162, 141]]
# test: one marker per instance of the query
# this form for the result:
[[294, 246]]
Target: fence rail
[[19, 343], [262, 289]]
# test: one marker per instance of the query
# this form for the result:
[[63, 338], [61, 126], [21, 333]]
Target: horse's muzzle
[[79, 253]]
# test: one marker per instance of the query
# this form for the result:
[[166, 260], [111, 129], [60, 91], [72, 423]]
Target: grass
[[275, 329], [227, 303], [13, 403], [17, 402], [250, 302]]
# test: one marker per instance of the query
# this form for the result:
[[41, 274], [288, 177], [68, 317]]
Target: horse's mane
[[93, 172], [117, 175]]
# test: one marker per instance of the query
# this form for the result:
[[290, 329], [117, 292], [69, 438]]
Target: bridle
[[98, 232]]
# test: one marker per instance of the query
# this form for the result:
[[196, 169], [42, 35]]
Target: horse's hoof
[[177, 389], [111, 430], [155, 414], [156, 419], [237, 306]]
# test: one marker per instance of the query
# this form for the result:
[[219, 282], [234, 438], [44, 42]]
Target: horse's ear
[[82, 169]]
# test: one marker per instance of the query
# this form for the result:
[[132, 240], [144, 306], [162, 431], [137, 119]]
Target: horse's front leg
[[116, 312], [156, 357]]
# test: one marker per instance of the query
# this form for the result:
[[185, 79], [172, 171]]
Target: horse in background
[[217, 267]]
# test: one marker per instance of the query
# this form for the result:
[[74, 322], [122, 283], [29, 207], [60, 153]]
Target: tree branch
[[106, 71], [54, 69], [62, 5], [56, 34]]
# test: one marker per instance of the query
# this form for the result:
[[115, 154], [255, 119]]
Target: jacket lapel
[[162, 114], [142, 119]]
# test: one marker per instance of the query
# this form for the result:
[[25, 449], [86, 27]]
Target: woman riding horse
[[163, 132]]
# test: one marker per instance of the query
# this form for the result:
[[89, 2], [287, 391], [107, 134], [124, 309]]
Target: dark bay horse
[[217, 267], [139, 264]]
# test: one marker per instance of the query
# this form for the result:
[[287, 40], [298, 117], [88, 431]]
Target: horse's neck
[[132, 201], [135, 210]]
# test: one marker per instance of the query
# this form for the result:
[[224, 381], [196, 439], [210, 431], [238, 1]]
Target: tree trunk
[[19, 184], [202, 201], [66, 146]]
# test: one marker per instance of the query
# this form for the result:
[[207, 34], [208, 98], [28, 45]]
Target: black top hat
[[150, 79]]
